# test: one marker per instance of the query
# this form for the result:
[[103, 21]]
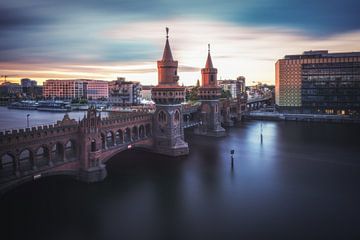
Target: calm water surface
[[301, 183], [15, 118]]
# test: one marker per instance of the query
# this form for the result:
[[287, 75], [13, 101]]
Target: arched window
[[216, 108], [177, 116], [162, 117]]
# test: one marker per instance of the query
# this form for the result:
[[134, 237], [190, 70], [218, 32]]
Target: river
[[301, 182]]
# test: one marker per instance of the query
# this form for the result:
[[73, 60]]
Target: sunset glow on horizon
[[103, 45]]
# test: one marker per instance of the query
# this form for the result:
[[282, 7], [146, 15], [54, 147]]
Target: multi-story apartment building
[[76, 89], [235, 87], [318, 82], [123, 92]]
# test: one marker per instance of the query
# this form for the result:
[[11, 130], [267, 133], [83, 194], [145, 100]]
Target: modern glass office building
[[319, 82]]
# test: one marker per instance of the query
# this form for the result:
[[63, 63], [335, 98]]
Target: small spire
[[209, 63], [167, 56]]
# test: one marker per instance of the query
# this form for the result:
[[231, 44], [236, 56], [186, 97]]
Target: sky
[[67, 39]]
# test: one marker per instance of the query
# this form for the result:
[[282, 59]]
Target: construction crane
[[6, 76]]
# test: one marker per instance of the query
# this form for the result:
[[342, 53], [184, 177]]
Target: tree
[[225, 94], [193, 94]]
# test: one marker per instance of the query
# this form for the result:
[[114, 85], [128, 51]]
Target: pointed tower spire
[[167, 56], [167, 67], [209, 63], [209, 73]]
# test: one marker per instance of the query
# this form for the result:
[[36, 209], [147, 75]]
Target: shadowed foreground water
[[301, 183]]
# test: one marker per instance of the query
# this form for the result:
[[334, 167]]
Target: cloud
[[132, 49]]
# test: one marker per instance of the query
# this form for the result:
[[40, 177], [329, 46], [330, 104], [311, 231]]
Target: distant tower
[[209, 94], [168, 96]]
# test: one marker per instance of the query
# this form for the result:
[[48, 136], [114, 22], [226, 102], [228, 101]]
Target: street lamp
[[27, 120]]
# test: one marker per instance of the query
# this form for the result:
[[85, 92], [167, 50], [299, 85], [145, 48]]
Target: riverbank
[[276, 116]]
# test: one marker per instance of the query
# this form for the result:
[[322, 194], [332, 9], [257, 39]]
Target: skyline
[[125, 39]]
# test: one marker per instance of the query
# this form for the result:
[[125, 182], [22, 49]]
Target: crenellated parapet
[[40, 133]]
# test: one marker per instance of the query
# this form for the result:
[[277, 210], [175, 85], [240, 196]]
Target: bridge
[[258, 102], [81, 148], [61, 149]]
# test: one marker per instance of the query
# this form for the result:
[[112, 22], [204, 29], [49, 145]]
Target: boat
[[25, 105], [54, 106]]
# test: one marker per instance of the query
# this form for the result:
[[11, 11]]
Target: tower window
[[177, 116], [162, 117]]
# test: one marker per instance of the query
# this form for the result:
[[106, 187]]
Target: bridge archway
[[26, 160], [7, 165], [57, 152], [119, 137], [93, 145], [103, 143], [141, 132], [109, 139], [127, 135], [135, 134], [42, 157], [70, 150]]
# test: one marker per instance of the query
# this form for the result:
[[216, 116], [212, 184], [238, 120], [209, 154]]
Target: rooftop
[[321, 54]]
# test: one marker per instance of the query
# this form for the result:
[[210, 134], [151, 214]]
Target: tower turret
[[167, 67], [209, 94], [168, 118], [209, 73], [209, 85]]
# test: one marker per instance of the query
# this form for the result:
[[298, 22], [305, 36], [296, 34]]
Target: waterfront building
[[30, 89], [122, 92], [8, 89], [96, 89], [318, 82], [76, 89], [235, 87], [27, 83]]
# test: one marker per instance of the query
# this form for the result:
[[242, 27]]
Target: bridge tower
[[209, 94], [91, 167], [168, 129]]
